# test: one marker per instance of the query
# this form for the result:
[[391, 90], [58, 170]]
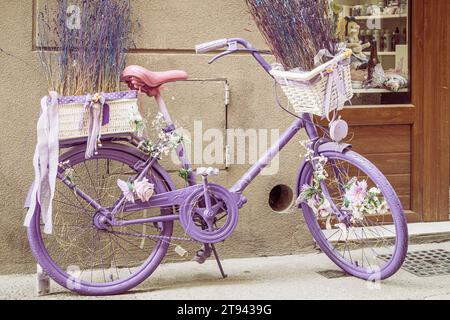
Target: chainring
[[216, 226]]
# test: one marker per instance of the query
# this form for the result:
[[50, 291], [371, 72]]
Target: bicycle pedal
[[203, 171], [202, 254]]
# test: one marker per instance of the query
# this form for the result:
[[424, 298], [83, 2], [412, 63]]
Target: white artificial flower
[[374, 190], [144, 189]]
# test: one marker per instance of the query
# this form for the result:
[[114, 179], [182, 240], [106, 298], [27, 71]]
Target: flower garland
[[167, 141], [357, 199]]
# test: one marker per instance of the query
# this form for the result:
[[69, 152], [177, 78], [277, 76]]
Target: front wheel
[[354, 214]]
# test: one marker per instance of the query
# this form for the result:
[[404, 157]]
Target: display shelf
[[382, 53], [386, 16], [376, 90]]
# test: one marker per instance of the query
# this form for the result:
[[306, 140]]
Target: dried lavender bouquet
[[295, 30], [82, 44]]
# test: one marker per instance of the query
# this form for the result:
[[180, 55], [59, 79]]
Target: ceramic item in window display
[[403, 7], [383, 40], [374, 10], [369, 35], [392, 8], [381, 5], [396, 37], [356, 11], [365, 9], [388, 41]]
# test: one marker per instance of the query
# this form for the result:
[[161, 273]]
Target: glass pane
[[378, 33]]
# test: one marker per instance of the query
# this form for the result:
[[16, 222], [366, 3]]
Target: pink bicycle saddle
[[139, 78]]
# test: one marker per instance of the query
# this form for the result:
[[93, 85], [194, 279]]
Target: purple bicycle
[[114, 242]]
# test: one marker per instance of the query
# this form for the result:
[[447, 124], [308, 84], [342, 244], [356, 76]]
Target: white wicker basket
[[74, 121], [306, 92]]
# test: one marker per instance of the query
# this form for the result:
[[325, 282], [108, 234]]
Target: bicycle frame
[[176, 198]]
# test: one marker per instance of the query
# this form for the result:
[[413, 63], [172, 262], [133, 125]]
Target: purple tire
[[128, 157], [394, 239]]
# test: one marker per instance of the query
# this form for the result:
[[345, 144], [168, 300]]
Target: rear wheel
[[356, 218], [85, 258]]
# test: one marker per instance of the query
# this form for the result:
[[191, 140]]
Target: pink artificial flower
[[357, 192]]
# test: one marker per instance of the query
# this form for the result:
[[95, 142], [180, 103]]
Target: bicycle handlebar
[[232, 47], [211, 46]]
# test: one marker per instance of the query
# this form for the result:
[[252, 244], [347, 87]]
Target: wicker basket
[[309, 96], [73, 117]]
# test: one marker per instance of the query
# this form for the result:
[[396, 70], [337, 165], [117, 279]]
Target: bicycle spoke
[[102, 256], [362, 233]]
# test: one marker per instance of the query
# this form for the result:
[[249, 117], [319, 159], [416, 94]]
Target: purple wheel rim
[[401, 239], [118, 153]]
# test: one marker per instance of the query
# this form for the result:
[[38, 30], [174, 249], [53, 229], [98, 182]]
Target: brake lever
[[223, 54], [232, 48]]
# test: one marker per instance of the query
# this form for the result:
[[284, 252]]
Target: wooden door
[[430, 88]]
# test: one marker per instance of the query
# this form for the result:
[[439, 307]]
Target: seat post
[[163, 108]]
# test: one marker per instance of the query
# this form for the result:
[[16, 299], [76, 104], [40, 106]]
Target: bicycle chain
[[152, 236]]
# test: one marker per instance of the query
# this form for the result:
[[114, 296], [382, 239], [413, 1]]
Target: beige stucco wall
[[170, 29]]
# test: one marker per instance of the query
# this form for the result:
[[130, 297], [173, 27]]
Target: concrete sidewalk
[[287, 277]]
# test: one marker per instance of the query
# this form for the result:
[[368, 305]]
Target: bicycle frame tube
[[254, 53]]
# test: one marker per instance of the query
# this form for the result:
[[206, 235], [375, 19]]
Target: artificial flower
[[357, 192], [144, 189], [324, 210], [374, 190], [127, 190], [383, 208]]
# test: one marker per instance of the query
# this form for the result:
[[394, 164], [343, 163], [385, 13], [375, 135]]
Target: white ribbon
[[45, 162], [95, 109], [333, 79], [318, 59]]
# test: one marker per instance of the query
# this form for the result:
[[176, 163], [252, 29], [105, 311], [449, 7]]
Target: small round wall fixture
[[281, 198]]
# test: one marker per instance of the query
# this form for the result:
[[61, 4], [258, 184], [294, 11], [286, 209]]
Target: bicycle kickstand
[[218, 261]]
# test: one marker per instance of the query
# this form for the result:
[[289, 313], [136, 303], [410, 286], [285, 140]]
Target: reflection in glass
[[378, 34]]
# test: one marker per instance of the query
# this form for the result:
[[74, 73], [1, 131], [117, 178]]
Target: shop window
[[379, 34]]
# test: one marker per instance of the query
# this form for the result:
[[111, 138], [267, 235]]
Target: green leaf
[[130, 186]]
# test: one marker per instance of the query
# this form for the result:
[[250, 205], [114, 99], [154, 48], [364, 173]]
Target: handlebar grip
[[210, 46]]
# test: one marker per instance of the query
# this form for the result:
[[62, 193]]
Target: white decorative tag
[[180, 251]]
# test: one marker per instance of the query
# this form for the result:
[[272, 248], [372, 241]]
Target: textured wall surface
[[169, 30]]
